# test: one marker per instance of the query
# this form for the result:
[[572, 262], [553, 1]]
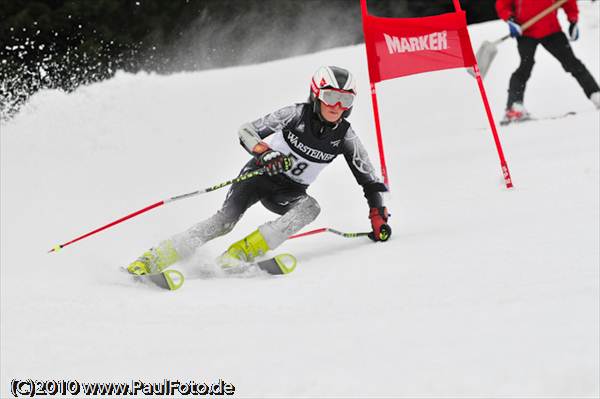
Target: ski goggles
[[332, 97]]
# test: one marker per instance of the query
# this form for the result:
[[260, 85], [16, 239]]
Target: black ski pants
[[277, 193], [558, 45]]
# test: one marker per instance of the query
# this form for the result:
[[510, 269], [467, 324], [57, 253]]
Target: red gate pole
[[488, 111], [379, 136], [503, 164], [363, 8]]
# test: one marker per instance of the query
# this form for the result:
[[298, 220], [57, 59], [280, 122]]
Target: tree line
[[66, 43]]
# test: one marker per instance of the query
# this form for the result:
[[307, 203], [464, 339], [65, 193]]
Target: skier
[[293, 144], [548, 33]]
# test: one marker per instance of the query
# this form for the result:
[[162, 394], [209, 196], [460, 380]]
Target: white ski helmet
[[340, 81]]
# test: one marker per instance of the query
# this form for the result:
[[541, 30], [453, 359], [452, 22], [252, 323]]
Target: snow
[[481, 292]]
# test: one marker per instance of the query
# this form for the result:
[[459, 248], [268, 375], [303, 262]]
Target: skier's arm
[[252, 134], [251, 140], [504, 8], [571, 10], [362, 169]]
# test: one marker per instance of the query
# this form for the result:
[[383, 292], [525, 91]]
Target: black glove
[[275, 162], [381, 230], [573, 31]]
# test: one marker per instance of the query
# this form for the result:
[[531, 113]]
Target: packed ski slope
[[481, 292]]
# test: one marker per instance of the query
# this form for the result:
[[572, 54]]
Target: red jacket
[[524, 10]]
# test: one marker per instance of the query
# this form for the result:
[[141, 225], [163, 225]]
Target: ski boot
[[245, 250], [516, 113], [154, 260]]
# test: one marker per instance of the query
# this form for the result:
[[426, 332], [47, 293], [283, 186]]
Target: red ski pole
[[243, 177]]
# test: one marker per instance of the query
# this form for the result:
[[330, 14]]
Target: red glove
[[381, 230]]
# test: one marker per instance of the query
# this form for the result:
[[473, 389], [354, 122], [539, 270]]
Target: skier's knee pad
[[310, 207], [302, 213]]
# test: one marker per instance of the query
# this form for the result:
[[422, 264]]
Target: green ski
[[169, 279], [277, 265]]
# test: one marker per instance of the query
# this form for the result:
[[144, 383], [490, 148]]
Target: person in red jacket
[[548, 33]]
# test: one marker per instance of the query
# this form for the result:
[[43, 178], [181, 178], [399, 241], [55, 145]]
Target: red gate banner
[[405, 46], [399, 47]]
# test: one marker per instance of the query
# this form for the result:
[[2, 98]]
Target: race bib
[[304, 171]]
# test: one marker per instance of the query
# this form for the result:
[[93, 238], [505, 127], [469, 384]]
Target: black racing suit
[[313, 144]]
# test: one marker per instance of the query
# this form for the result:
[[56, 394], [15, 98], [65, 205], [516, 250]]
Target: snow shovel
[[486, 53]]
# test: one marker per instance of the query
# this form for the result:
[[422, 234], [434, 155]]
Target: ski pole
[[238, 179], [385, 233], [330, 230]]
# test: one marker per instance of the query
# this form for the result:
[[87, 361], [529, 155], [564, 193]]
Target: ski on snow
[[505, 122], [172, 279]]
